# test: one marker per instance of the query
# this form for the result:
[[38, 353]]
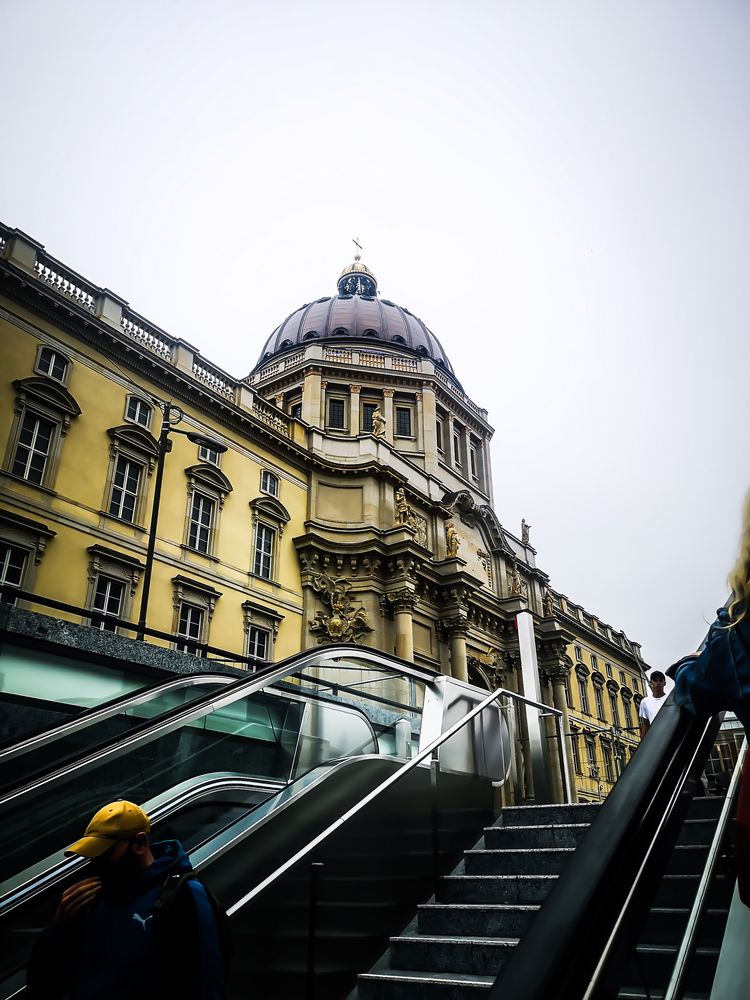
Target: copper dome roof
[[361, 317]]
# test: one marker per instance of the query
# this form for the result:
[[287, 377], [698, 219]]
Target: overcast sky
[[560, 190]]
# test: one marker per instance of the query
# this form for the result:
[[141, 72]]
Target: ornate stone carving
[[420, 530], [378, 423], [525, 529], [452, 541], [401, 600], [548, 605], [486, 560], [518, 587], [343, 623], [455, 626], [404, 512]]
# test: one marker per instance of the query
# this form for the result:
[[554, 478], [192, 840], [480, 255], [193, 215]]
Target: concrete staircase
[[457, 944]]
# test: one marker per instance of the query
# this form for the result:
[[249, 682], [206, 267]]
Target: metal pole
[[163, 442], [315, 870], [434, 774]]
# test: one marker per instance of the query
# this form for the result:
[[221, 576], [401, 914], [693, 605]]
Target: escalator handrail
[[201, 707], [687, 944], [101, 712], [576, 927], [405, 769]]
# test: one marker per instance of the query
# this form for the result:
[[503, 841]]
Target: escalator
[[244, 776]]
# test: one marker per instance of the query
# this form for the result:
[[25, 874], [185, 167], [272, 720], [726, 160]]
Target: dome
[[356, 313]]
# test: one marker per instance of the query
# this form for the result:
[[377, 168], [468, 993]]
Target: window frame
[[135, 444], [201, 597], [99, 616], [260, 554], [408, 409], [210, 483], [583, 694], [267, 476], [200, 533], [131, 463], [113, 565], [270, 512], [365, 404], [28, 536], [211, 456], [57, 354], [256, 616], [147, 407], [45, 399], [337, 397]]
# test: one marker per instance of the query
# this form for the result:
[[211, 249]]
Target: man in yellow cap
[[106, 939]]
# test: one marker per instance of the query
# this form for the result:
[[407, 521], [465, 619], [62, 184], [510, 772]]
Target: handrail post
[[434, 775], [312, 926]]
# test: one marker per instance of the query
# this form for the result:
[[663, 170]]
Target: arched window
[[138, 411], [269, 483], [53, 364]]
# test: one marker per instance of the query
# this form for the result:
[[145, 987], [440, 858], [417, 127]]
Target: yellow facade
[[313, 525]]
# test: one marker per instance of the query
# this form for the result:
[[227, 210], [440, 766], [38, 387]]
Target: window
[[439, 434], [367, 411], [337, 413], [591, 756], [194, 603], [403, 421], [138, 411], [578, 654], [576, 752], [457, 448], [12, 566], [566, 684], [583, 693], [190, 628], [609, 772], [473, 467], [33, 448], [261, 626], [599, 702], [108, 599], [296, 411], [201, 522], [269, 483], [608, 669], [615, 708], [627, 705], [258, 642], [263, 555], [208, 454], [53, 364], [623, 679], [594, 662], [124, 497]]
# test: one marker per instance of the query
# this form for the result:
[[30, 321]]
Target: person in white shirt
[[653, 702]]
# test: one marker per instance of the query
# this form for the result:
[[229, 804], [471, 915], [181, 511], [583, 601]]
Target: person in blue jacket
[[718, 677], [107, 940]]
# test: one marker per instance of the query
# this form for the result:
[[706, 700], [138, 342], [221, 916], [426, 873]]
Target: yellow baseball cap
[[116, 821]]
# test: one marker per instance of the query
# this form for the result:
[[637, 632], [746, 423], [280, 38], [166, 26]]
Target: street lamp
[[171, 415]]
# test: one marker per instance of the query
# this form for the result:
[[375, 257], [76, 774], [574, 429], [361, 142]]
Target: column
[[403, 604], [429, 433], [311, 394], [354, 409], [388, 414], [321, 421], [448, 445], [557, 675], [456, 629]]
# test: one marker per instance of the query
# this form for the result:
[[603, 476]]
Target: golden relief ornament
[[343, 623], [452, 541]]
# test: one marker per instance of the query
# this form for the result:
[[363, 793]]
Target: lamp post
[[171, 415]]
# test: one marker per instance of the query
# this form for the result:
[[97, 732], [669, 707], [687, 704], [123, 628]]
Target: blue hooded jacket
[[117, 953], [718, 678]]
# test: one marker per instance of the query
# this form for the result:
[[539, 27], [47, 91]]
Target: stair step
[[561, 835], [509, 889], [542, 861], [476, 956], [403, 985], [655, 964], [697, 831], [687, 859], [666, 925], [475, 919], [582, 812]]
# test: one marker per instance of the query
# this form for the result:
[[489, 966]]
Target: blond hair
[[739, 578]]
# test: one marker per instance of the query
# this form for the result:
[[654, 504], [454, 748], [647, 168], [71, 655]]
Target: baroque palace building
[[342, 491]]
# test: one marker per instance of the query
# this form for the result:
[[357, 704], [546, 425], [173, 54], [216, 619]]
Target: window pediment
[[135, 437], [270, 509], [210, 476], [32, 535], [49, 394]]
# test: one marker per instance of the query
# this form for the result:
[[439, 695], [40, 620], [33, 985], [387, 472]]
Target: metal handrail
[[687, 945], [110, 708], [382, 787]]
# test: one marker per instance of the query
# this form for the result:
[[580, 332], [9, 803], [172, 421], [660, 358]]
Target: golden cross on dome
[[358, 245]]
